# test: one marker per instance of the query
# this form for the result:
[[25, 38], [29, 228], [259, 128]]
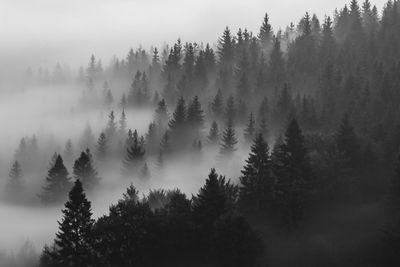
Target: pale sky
[[43, 32]]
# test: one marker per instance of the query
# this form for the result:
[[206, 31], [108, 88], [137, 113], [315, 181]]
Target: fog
[[71, 70], [45, 32]]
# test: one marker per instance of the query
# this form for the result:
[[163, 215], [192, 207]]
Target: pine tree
[[134, 155], [229, 141], [210, 203], [15, 175], [347, 147], [122, 123], [217, 105], [243, 88], [230, 109], [177, 125], [102, 144], [195, 115], [57, 183], [74, 240], [213, 136], [162, 114], [250, 130], [84, 171], [165, 145], [266, 33], [256, 190], [293, 175], [263, 128], [111, 126]]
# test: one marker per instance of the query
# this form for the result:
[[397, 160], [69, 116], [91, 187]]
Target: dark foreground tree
[[256, 190], [73, 243]]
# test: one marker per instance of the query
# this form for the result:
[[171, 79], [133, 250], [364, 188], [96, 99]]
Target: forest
[[272, 148]]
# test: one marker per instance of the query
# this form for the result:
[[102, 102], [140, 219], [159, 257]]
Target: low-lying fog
[[53, 115]]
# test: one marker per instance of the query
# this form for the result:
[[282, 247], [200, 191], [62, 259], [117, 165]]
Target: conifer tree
[[265, 35], [162, 114], [228, 140], [217, 108], [293, 175], [177, 125], [122, 123], [195, 116], [102, 144], [134, 155], [57, 183], [347, 146], [111, 126], [250, 130], [256, 190], [84, 171], [74, 240], [230, 109], [213, 136], [15, 175], [165, 144]]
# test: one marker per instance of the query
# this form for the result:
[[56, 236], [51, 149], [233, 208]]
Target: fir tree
[[256, 191], [266, 33], [293, 175], [134, 155], [250, 130], [57, 183], [228, 141], [195, 116], [217, 105], [85, 172], [122, 123], [111, 126], [213, 136], [15, 182], [102, 144], [230, 109], [145, 172], [74, 240]]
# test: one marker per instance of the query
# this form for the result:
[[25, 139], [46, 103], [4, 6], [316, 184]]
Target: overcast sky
[[47, 31]]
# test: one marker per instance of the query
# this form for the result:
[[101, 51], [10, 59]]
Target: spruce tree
[[293, 175], [195, 116], [250, 130], [230, 109], [102, 144], [84, 171], [228, 141], [256, 190], [122, 123], [213, 136], [217, 105], [134, 155], [111, 125], [74, 240], [15, 182], [266, 33], [57, 183], [68, 154]]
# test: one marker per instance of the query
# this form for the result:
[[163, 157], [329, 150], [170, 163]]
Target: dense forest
[[305, 122]]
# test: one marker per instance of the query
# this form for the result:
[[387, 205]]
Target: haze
[[45, 32]]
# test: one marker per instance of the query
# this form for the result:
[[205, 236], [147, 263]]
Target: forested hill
[[315, 104]]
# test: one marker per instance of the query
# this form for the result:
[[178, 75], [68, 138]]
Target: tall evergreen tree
[[256, 190], [134, 155], [213, 136], [293, 175], [85, 172], [217, 108], [228, 140], [74, 240], [102, 145], [195, 116], [250, 130], [57, 183], [111, 126]]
